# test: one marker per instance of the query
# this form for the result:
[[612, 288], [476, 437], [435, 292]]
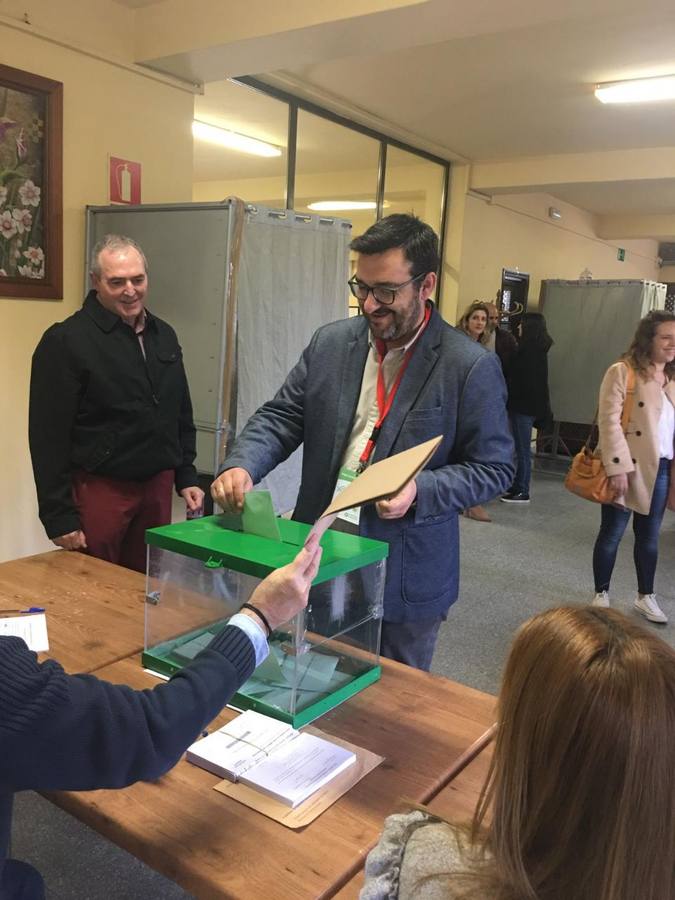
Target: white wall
[[516, 231]]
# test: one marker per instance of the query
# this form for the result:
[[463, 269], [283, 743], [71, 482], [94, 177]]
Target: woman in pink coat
[[639, 462]]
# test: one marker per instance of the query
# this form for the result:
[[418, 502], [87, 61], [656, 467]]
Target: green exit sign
[[620, 254]]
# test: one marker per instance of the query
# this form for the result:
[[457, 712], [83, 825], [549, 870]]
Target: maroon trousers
[[115, 514]]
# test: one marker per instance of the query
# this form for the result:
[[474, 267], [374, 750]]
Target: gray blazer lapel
[[419, 369], [348, 388]]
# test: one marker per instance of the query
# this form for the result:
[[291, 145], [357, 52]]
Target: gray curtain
[[592, 324], [292, 279]]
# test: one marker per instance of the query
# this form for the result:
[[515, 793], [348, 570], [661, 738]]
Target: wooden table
[[216, 847], [94, 609], [457, 801]]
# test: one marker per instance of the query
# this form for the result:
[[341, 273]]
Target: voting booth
[[200, 572]]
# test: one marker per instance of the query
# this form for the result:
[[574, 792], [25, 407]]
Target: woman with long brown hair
[[639, 461], [579, 803], [474, 324]]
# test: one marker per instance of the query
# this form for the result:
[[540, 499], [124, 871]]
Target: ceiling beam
[[660, 227], [545, 172]]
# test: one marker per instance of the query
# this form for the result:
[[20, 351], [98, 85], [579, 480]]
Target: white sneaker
[[650, 609], [600, 599]]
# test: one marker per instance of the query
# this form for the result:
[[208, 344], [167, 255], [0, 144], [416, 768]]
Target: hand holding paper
[[284, 593], [229, 488], [398, 505], [383, 481]]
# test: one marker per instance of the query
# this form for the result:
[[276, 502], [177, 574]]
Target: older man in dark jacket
[[110, 420]]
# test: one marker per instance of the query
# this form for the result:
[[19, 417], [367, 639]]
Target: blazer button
[[633, 461], [641, 403], [638, 433], [616, 459]]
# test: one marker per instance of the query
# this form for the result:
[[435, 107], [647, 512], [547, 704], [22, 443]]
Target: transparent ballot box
[[201, 571]]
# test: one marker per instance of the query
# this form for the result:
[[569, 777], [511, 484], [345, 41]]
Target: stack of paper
[[271, 756]]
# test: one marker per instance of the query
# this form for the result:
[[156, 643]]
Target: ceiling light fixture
[[639, 90], [341, 205], [233, 141]]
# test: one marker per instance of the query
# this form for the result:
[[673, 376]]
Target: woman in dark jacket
[[527, 380]]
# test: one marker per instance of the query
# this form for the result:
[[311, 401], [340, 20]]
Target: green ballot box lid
[[217, 542]]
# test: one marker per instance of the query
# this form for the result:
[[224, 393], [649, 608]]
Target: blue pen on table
[[22, 612]]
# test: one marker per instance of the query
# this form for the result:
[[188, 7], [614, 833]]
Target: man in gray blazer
[[371, 386]]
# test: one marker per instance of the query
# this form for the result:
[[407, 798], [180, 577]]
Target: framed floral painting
[[31, 198]]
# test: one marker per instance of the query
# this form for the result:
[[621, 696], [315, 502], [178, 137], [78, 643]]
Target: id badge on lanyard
[[345, 478], [385, 401]]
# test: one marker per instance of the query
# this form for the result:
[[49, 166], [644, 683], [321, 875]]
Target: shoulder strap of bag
[[630, 397], [627, 406]]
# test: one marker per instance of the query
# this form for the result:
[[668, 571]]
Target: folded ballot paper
[[271, 756], [379, 481]]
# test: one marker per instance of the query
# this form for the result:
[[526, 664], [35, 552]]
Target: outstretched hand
[[229, 488], [284, 593]]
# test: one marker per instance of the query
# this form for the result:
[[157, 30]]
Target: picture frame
[[31, 185]]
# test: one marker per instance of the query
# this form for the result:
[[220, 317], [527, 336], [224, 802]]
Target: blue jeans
[[646, 529], [411, 643], [521, 426]]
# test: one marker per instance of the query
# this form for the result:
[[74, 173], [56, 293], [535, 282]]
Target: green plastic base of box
[[314, 710], [159, 663]]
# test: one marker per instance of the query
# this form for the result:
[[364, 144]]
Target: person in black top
[[528, 400], [110, 417], [80, 733]]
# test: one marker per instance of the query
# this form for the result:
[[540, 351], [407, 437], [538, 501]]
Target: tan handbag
[[586, 476]]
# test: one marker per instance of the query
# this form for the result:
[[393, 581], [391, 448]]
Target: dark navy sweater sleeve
[[77, 732]]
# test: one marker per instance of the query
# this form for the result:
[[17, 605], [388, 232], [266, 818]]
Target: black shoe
[[511, 497]]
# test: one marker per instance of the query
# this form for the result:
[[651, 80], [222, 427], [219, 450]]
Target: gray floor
[[527, 559]]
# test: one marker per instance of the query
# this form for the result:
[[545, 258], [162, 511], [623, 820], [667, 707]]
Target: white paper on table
[[32, 628], [299, 768], [158, 674], [239, 745]]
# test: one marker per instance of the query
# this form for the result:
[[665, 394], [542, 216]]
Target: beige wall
[[107, 109], [515, 231]]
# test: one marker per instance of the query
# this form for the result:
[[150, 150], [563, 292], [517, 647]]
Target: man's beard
[[403, 323]]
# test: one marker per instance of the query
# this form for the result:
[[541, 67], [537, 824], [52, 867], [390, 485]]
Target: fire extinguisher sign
[[124, 180]]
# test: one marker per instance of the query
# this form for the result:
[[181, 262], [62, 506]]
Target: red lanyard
[[385, 400]]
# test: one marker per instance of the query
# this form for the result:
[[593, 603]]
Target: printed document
[[32, 628], [271, 756]]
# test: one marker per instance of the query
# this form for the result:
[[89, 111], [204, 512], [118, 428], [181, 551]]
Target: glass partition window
[[226, 166], [336, 164], [336, 175], [414, 185]]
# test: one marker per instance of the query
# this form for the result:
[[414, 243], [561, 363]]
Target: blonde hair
[[463, 323], [581, 788]]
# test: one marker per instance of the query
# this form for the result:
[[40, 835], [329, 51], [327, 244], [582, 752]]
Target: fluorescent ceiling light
[[233, 141], [341, 205], [640, 90]]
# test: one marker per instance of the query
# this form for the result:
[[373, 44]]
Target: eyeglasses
[[383, 295]]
